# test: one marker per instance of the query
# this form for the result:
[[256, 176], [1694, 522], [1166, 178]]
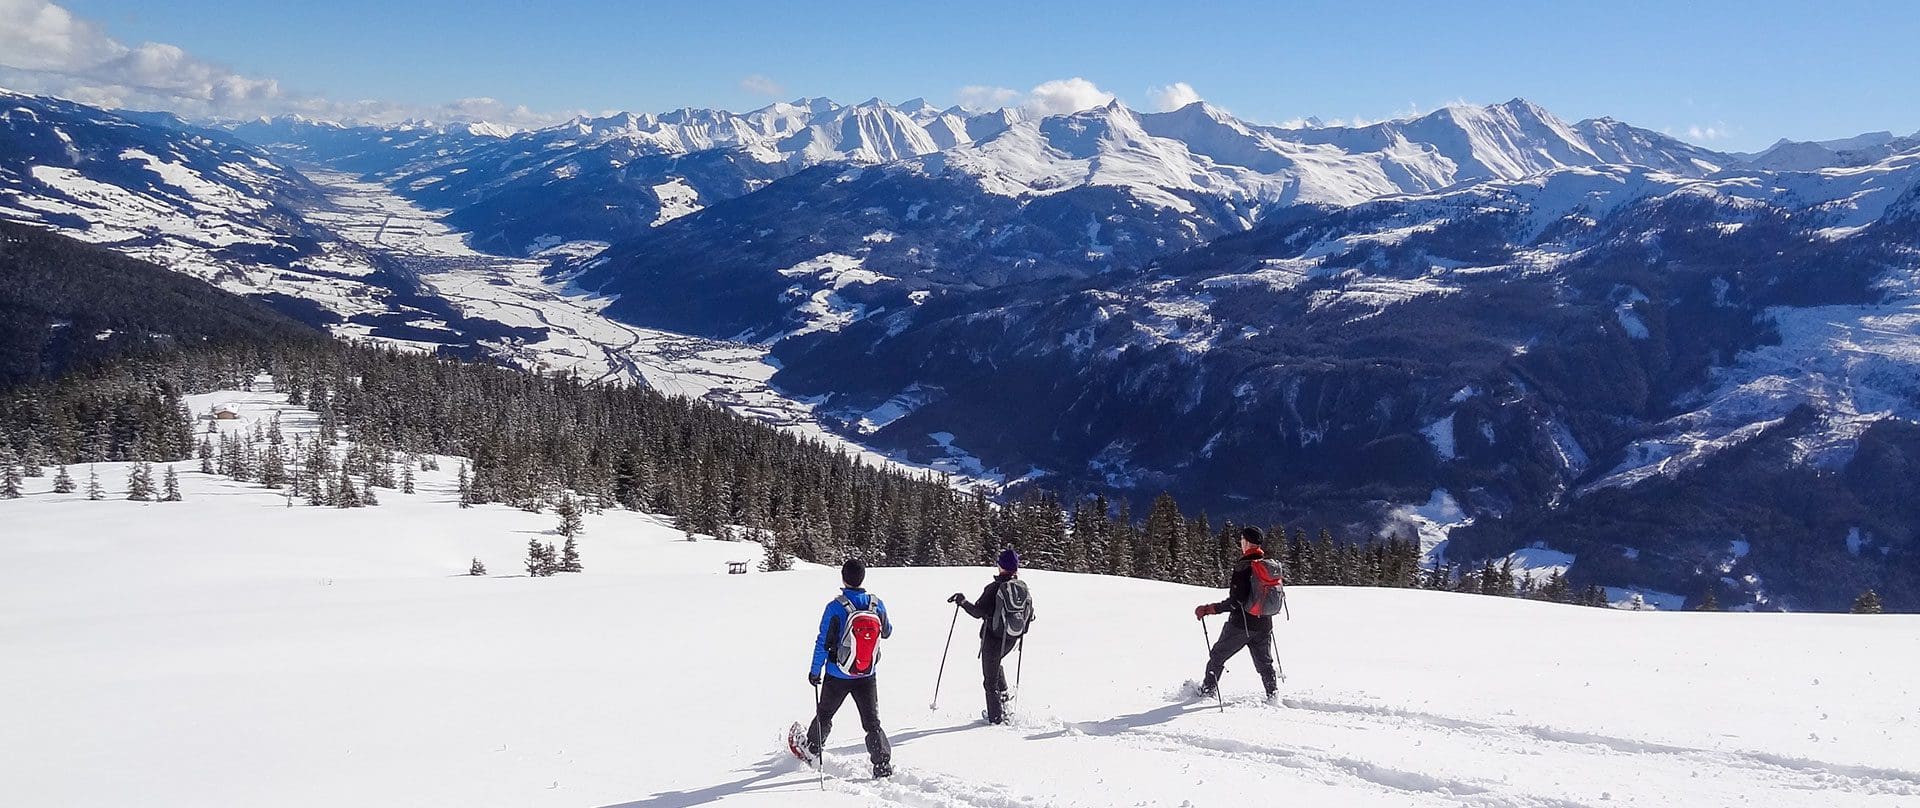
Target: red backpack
[[859, 648], [1269, 591]]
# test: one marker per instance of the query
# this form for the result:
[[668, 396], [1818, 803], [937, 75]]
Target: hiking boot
[[881, 770]]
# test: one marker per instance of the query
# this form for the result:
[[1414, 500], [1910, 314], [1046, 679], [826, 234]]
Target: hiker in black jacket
[[1243, 630], [995, 643]]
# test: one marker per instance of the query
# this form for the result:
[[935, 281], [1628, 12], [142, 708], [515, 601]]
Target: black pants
[[1232, 639], [993, 675], [866, 697]]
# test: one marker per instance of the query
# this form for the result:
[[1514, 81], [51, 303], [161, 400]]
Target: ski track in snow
[[515, 291]]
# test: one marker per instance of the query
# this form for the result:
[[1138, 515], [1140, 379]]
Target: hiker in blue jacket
[[847, 651]]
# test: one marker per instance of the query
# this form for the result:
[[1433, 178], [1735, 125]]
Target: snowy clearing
[[229, 650]]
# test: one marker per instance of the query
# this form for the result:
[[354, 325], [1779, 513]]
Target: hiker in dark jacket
[[994, 642], [838, 683], [1243, 630]]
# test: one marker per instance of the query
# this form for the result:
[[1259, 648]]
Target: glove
[[813, 679], [1204, 609], [957, 597]]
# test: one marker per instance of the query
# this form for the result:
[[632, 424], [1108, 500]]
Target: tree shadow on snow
[[774, 766], [1124, 723]]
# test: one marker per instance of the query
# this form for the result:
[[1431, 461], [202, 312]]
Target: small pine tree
[[1867, 603], [94, 491], [140, 483], [9, 481], [540, 559], [62, 482], [1710, 603], [345, 494], [367, 497], [477, 568], [1637, 603], [570, 556], [170, 486], [466, 487], [30, 458], [777, 558], [406, 480], [570, 523]]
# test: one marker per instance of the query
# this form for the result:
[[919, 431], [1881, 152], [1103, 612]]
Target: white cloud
[[1173, 96], [981, 98], [1057, 97], [761, 85], [44, 48], [1710, 132], [1065, 96]]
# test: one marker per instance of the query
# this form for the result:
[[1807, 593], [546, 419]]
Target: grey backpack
[[1014, 609]]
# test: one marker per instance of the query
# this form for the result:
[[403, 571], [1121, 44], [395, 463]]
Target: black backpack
[[1013, 609]]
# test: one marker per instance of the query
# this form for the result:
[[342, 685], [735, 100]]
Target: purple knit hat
[[1009, 560]]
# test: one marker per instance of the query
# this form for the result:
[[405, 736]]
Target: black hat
[[1253, 536], [853, 573]]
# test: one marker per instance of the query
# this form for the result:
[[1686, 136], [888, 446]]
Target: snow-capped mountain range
[[1484, 322]]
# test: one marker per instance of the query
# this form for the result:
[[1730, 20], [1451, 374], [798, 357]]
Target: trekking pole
[[1282, 668], [1017, 665], [935, 705], [1207, 636], [820, 758]]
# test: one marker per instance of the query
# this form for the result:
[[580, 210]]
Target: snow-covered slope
[[1809, 155], [228, 650], [190, 200]]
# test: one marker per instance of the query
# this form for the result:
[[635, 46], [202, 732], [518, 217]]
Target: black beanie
[[853, 573], [1253, 536]]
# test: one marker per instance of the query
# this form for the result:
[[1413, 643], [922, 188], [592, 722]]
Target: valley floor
[[230, 650], [580, 338]]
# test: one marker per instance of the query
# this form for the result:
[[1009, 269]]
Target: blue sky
[[1728, 75]]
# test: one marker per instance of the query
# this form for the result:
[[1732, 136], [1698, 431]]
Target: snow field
[[229, 650]]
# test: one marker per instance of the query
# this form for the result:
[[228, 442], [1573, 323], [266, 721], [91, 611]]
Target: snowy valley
[[1483, 325]]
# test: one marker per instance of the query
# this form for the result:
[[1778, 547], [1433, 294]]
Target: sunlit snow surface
[[231, 651]]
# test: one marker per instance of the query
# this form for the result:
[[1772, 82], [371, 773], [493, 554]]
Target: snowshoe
[[882, 771], [797, 744]]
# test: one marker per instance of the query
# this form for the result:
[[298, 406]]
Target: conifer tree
[[1709, 603], [466, 487], [777, 559], [406, 480], [140, 483], [345, 494], [367, 497], [1867, 603], [170, 486], [94, 491], [539, 562], [571, 524], [477, 568], [273, 467], [206, 455], [9, 474], [570, 556], [31, 455], [62, 482]]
